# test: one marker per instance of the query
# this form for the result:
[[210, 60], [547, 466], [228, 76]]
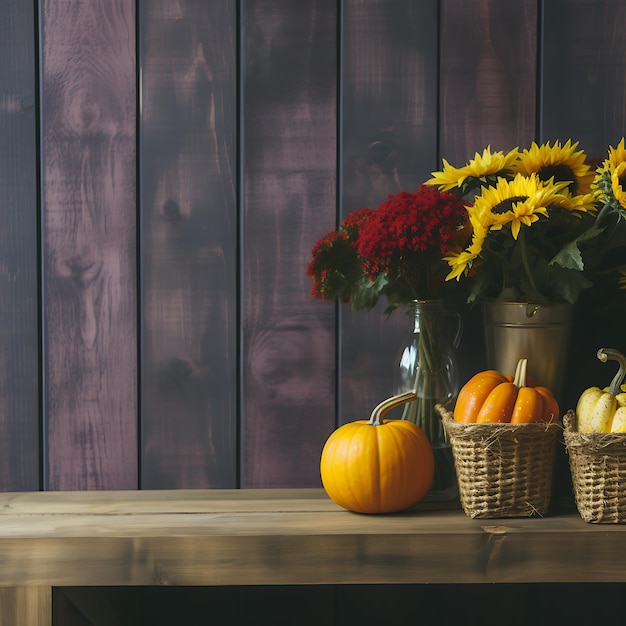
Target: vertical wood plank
[[289, 143], [188, 170], [89, 216], [389, 142], [487, 96], [487, 76], [583, 73], [25, 606], [19, 344]]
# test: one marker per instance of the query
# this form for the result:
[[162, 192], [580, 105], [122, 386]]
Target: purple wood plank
[[583, 64], [19, 344], [289, 139], [389, 140], [89, 215], [188, 169], [487, 96], [487, 76]]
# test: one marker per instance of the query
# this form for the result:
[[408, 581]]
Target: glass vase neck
[[447, 323]]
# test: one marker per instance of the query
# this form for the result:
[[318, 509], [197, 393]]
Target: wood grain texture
[[289, 163], [584, 48], [389, 143], [487, 76], [19, 327], [89, 222], [188, 172], [319, 543], [487, 96], [162, 501], [223, 276], [584, 62], [25, 606]]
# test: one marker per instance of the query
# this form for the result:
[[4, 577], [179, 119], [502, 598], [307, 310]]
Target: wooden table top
[[285, 536]]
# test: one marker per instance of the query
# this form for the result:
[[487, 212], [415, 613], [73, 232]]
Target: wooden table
[[275, 537]]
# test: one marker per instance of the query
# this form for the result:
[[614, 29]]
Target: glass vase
[[426, 364]]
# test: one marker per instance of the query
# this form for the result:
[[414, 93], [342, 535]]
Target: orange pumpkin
[[491, 397], [378, 466]]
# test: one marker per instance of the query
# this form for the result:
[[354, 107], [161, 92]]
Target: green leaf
[[570, 256], [366, 292]]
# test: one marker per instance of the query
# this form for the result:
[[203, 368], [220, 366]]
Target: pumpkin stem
[[378, 413], [520, 373], [610, 354]]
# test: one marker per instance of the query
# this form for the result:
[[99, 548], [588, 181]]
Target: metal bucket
[[537, 332]]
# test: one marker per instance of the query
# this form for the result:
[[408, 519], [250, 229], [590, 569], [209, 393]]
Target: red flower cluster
[[407, 236], [335, 264], [395, 250], [426, 221]]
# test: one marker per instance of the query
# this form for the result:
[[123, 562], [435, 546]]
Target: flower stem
[[525, 261], [432, 386]]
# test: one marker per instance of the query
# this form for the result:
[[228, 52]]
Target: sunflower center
[[622, 182], [507, 205], [560, 173]]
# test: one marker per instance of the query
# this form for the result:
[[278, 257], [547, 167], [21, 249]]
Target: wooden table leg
[[25, 606]]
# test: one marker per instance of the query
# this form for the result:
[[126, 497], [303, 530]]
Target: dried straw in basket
[[503, 470], [598, 466]]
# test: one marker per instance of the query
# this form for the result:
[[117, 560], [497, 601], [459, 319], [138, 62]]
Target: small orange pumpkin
[[491, 397], [378, 466]]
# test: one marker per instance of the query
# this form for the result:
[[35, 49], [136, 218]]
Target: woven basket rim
[[591, 443], [495, 427]]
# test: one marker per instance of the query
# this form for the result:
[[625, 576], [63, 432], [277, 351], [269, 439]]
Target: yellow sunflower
[[557, 162], [615, 157], [518, 201], [618, 179], [481, 167], [609, 184], [460, 262], [583, 203]]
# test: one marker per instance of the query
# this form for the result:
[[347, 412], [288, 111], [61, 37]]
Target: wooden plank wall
[[20, 414], [388, 125], [188, 167], [87, 157], [288, 191], [165, 169]]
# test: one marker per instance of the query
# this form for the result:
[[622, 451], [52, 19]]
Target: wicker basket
[[598, 465], [503, 470]]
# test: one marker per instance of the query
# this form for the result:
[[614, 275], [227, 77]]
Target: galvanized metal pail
[[540, 333]]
